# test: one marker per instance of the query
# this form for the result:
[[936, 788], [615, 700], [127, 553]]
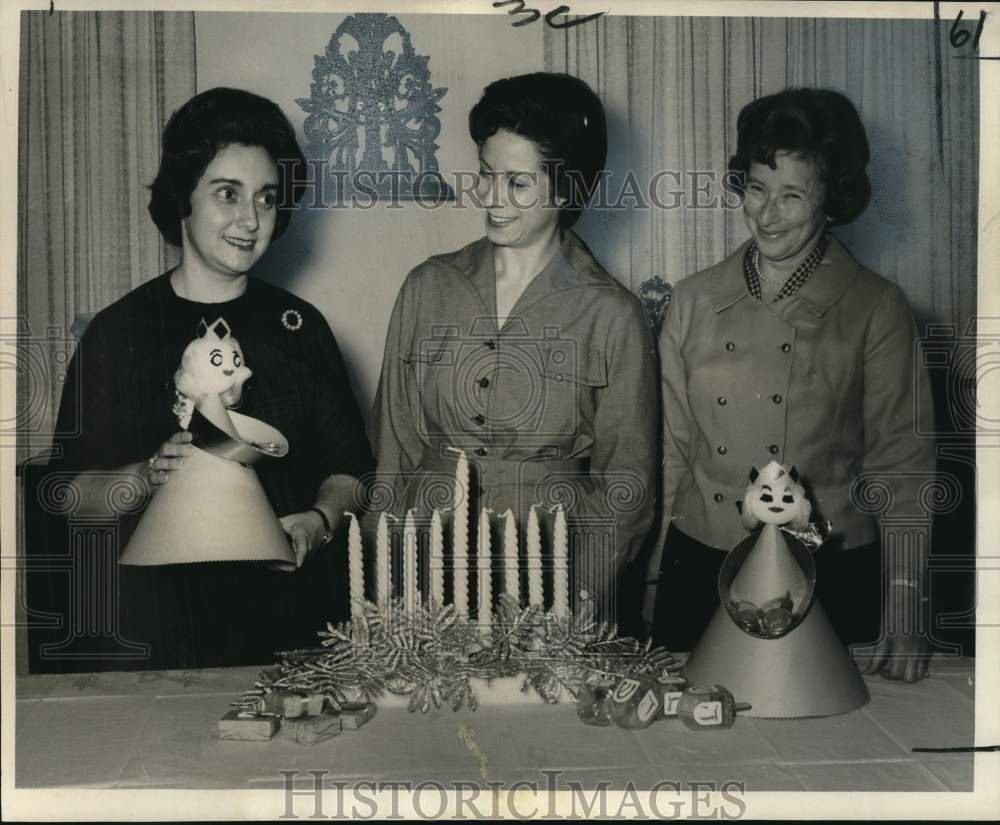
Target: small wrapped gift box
[[355, 714], [311, 730], [246, 727]]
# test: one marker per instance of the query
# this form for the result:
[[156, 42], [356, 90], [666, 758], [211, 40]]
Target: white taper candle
[[437, 560], [355, 566], [484, 569], [534, 559], [511, 571], [383, 571], [460, 534], [560, 565]]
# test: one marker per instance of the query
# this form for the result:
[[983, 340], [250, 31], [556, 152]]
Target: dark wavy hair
[[198, 130], [819, 124], [563, 117]]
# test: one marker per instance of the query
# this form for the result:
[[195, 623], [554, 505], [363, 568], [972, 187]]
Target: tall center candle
[[484, 568], [534, 559], [409, 563], [460, 534], [355, 566]]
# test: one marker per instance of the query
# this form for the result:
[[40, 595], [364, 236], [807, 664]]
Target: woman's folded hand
[[168, 458]]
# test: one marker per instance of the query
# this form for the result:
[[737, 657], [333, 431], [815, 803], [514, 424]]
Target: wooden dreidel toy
[[636, 701], [593, 702], [672, 689], [709, 707]]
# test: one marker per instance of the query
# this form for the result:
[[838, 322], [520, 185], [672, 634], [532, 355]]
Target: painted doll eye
[[236, 359], [788, 498], [216, 358], [767, 498]]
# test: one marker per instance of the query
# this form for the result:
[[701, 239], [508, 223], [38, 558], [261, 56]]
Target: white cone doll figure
[[770, 641], [214, 508]]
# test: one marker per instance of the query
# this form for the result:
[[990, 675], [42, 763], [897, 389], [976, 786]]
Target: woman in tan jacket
[[790, 350]]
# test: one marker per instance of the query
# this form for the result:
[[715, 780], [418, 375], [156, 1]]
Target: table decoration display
[[501, 642], [214, 507], [770, 641]]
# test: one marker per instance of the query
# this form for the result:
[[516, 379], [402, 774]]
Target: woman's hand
[[168, 458], [305, 530], [903, 652]]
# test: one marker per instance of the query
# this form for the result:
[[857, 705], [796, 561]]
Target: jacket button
[[776, 399], [484, 382], [773, 449], [722, 401], [730, 346], [723, 449], [718, 497], [491, 344], [479, 420], [786, 347], [482, 451]]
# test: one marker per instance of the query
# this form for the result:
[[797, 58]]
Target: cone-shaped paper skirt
[[806, 672], [770, 571], [214, 508]]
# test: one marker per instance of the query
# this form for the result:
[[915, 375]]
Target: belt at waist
[[497, 472]]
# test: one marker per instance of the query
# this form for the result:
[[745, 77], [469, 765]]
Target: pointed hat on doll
[[770, 641], [214, 507]]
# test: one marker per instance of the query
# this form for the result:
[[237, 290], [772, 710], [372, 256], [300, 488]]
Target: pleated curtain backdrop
[[96, 90], [673, 88]]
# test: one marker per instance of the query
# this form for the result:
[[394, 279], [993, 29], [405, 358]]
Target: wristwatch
[[327, 532]]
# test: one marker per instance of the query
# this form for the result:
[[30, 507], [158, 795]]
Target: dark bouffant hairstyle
[[563, 117], [198, 130], [820, 124]]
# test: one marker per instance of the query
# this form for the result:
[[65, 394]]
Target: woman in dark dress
[[224, 191]]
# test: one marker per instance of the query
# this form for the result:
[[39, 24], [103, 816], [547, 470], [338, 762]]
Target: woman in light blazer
[[791, 350]]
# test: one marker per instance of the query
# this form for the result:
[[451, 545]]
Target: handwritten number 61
[[550, 18], [959, 37]]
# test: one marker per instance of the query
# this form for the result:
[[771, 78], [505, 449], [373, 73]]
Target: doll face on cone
[[776, 497], [213, 365]]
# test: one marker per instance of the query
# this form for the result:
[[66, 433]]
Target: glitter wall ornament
[[372, 113]]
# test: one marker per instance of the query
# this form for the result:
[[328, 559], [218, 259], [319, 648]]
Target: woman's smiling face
[[232, 212], [783, 208], [515, 191]]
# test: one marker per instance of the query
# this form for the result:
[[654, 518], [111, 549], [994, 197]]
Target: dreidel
[[709, 707], [673, 689]]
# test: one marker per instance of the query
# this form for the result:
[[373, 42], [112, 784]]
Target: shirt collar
[[832, 278]]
